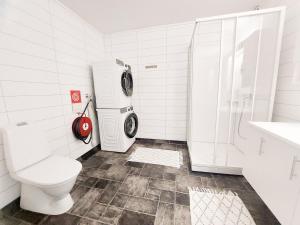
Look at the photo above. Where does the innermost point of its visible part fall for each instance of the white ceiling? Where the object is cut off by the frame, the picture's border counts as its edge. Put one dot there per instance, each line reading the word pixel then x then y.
pixel 117 15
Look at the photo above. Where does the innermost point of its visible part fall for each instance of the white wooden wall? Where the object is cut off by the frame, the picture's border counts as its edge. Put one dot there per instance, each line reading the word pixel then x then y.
pixel 45 50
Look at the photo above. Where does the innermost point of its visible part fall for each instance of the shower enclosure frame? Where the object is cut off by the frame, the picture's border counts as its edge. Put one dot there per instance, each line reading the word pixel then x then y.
pixel 236 16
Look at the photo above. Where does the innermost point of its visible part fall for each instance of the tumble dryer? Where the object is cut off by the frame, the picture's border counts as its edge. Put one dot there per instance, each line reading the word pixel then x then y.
pixel 113 83
pixel 118 128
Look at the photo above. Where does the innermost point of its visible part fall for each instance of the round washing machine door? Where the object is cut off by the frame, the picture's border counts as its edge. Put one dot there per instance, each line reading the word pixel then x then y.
pixel 127 83
pixel 131 125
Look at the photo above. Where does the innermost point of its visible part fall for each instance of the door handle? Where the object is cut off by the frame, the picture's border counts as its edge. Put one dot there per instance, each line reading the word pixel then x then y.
pixel 262 141
pixel 295 161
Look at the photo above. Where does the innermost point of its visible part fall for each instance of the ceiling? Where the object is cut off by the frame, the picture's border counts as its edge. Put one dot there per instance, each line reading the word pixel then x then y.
pixel 117 15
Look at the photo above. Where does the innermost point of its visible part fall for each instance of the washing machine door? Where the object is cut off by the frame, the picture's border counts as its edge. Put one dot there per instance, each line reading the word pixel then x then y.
pixel 131 125
pixel 127 82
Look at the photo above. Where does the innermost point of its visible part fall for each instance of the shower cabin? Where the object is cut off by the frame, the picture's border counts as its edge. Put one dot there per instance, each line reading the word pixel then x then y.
pixel 233 66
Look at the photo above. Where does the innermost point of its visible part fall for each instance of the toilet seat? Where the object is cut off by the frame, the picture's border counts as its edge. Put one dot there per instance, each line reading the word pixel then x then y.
pixel 50 172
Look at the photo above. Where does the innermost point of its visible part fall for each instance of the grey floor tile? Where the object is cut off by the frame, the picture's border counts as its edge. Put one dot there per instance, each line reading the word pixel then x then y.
pixel 105 166
pixel 119 160
pixel 154 191
pixel 200 174
pixel 169 176
pixel 116 172
pixel 168 146
pixel 183 183
pixel 153 171
pixel 109 192
pixel 135 171
pixel 65 219
pixel 85 221
pixel 24 223
pixel 11 209
pixel 93 162
pixel 167 196
pixel 230 182
pixel 247 185
pixel 96 211
pixel 160 141
pixel 134 164
pixel 79 192
pixel 250 198
pixel 144 145
pixel 165 214
pixel 104 214
pixel 162 184
pixel 111 215
pixel 98 173
pixel 101 183
pixel 131 149
pixel 153 194
pixel 90 182
pixel 31 217
pixel 105 154
pixel 7 220
pixel 84 203
pixel 182 199
pixel 261 212
pixel 141 205
pixel 119 200
pixel 133 218
pixel 265 220
pixel 151 197
pixel 134 185
pixel 208 182
pixel 182 215
pixel 178 171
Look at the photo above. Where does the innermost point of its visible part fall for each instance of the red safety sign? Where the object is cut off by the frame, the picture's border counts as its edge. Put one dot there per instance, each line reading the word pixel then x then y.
pixel 75 96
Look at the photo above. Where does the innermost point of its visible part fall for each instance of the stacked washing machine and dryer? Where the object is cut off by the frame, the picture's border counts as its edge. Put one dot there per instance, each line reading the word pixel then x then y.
pixel 118 124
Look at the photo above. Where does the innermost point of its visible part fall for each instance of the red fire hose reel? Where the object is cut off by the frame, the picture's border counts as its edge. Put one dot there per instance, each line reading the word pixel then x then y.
pixel 82 127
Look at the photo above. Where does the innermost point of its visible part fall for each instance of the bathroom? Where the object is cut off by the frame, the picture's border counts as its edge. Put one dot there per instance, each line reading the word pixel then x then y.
pixel 149 112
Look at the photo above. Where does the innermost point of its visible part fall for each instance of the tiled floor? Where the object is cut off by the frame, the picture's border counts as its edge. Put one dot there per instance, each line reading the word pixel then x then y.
pixel 111 190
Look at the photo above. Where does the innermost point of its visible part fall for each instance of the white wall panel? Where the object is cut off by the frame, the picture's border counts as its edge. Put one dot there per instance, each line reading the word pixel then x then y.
pixel 159 93
pixel 287 101
pixel 10 12
pixel 45 51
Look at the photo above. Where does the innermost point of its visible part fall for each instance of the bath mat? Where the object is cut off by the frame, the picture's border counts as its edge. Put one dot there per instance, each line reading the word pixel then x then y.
pixel 156 156
pixel 209 207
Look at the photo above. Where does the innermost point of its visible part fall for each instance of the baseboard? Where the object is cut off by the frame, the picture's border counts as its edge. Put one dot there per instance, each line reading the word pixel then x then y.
pixel 160 141
pixel 90 153
pixel 217 169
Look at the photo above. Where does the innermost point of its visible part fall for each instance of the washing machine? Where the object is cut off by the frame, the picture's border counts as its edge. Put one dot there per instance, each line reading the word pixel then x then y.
pixel 113 83
pixel 118 128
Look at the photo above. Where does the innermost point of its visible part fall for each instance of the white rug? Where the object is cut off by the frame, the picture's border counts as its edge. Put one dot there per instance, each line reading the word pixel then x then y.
pixel 156 156
pixel 209 207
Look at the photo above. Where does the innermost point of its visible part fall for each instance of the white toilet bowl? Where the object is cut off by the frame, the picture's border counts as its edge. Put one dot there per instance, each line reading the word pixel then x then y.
pixel 46 180
pixel 46 185
pixel 43 202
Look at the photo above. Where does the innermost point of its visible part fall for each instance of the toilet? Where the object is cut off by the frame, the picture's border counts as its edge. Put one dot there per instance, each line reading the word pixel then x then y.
pixel 46 179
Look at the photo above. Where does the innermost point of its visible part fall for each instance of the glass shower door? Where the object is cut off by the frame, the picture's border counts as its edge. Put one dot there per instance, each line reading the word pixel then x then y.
pixel 234 71
pixel 225 104
pixel 205 82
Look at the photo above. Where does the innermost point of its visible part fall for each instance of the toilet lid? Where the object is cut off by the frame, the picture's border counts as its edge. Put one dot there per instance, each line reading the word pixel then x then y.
pixel 51 171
